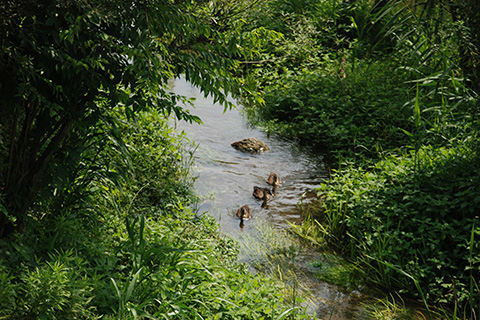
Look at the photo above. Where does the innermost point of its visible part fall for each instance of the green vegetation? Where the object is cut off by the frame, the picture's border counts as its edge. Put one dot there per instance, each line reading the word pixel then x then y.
pixel 65 65
pixel 401 224
pixel 136 251
pixel 95 186
pixel 273 252
pixel 389 89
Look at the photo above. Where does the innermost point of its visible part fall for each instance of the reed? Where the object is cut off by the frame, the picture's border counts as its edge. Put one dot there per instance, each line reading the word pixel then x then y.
pixel 273 252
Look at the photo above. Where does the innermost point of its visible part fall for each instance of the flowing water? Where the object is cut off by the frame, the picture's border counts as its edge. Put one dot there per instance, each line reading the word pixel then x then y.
pixel 226 178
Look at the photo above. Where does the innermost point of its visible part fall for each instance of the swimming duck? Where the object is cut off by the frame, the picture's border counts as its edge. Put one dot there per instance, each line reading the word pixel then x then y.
pixel 262 193
pixel 273 179
pixel 251 145
pixel 244 213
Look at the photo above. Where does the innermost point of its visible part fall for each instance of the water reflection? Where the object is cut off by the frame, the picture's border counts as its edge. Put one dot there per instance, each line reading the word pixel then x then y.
pixel 229 175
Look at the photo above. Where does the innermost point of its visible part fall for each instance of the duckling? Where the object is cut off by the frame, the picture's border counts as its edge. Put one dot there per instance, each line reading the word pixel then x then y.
pixel 273 179
pixel 262 193
pixel 244 213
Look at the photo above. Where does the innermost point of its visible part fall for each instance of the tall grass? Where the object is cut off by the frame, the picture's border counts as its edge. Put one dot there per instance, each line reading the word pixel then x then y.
pixel 143 255
pixel 408 227
pixel 274 252
pixel 393 102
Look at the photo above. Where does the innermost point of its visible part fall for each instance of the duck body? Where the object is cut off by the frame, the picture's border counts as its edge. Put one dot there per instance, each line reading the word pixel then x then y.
pixel 262 193
pixel 244 213
pixel 273 179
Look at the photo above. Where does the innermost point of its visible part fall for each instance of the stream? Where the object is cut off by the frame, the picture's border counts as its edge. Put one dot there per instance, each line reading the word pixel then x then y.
pixel 225 183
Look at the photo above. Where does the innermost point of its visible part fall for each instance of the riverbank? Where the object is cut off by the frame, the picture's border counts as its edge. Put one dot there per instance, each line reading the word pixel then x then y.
pixel 224 182
pixel 134 250
pixel 401 127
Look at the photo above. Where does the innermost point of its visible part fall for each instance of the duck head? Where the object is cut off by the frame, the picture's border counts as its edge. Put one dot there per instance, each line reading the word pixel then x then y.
pixel 273 179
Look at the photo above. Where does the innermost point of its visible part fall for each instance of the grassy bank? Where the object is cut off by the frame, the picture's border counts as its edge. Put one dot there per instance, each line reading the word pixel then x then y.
pixel 383 87
pixel 411 226
pixel 129 247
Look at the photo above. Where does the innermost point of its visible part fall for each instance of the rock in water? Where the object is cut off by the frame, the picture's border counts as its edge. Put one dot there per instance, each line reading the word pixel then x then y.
pixel 251 145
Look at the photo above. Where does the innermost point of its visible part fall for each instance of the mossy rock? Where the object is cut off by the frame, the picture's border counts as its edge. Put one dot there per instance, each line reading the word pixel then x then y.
pixel 251 145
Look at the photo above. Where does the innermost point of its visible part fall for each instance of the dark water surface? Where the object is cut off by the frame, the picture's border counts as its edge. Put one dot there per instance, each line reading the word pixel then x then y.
pixel 226 178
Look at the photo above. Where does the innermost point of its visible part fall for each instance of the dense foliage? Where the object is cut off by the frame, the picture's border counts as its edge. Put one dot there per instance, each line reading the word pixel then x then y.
pixel 65 64
pixel 136 257
pixel 94 185
pixel 421 225
pixel 356 115
pixel 389 89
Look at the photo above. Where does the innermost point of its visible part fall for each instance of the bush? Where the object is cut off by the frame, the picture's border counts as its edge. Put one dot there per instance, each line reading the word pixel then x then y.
pixel 357 114
pixel 7 292
pixel 57 289
pixel 160 176
pixel 423 223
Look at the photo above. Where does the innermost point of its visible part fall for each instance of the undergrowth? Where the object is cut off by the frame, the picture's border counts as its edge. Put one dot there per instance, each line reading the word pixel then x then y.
pixel 412 231
pixel 383 87
pixel 134 250
pixel 356 116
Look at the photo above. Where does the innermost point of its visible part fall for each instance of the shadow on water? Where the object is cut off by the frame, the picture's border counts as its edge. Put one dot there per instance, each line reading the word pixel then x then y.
pixel 226 178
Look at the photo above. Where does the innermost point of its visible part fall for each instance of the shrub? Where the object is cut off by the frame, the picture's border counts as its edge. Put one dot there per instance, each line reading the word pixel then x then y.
pixel 139 252
pixel 359 113
pixel 160 176
pixel 8 292
pixel 423 223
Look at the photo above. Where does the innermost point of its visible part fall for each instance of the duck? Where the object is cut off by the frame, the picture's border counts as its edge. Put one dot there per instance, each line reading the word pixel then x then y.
pixel 274 180
pixel 262 193
pixel 251 145
pixel 244 213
